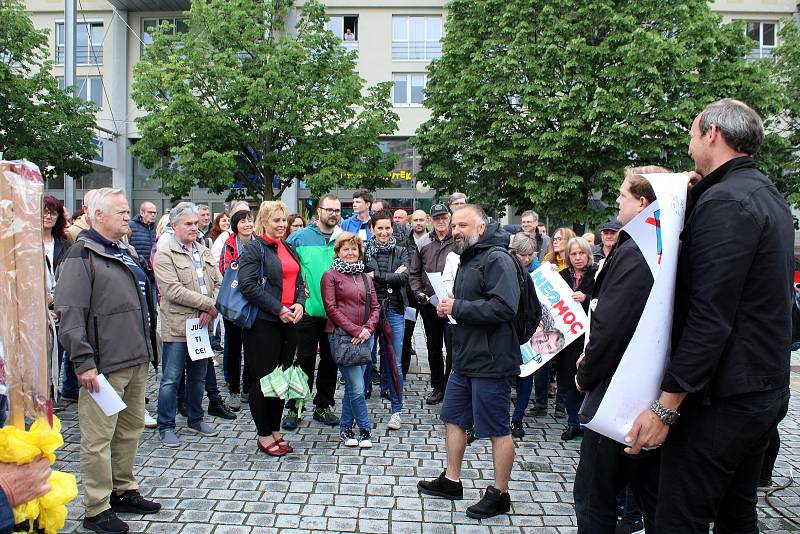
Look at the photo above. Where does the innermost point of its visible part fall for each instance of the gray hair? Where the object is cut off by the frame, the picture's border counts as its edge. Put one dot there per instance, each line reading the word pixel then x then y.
pixel 180 210
pixel 203 207
pixel 238 205
pixel 478 211
pixel 457 196
pixel 530 213
pixel 523 244
pixel 740 125
pixel 585 248
pixel 98 200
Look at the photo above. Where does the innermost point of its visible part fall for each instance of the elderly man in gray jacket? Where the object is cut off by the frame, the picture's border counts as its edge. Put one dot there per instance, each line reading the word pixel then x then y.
pixel 107 315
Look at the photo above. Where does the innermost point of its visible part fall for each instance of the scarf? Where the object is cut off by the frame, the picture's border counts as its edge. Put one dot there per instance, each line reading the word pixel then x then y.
pixel 343 267
pixel 374 246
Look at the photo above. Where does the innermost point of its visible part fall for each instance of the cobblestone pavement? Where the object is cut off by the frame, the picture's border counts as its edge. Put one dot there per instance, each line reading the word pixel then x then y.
pixel 222 485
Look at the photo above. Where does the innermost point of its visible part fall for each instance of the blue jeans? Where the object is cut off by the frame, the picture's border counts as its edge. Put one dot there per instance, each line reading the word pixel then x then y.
pixel 398 324
pixel 212 389
pixel 173 362
pixel 354 405
pixel 573 401
pixel 524 389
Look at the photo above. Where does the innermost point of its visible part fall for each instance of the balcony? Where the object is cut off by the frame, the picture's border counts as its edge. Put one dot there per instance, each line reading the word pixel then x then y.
pixel 760 52
pixel 84 54
pixel 416 50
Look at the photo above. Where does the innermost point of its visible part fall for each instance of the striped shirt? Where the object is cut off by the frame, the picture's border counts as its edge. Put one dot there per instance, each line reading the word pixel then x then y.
pixel 198 266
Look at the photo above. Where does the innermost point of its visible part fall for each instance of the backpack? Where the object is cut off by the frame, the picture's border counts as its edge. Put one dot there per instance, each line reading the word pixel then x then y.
pixel 529 311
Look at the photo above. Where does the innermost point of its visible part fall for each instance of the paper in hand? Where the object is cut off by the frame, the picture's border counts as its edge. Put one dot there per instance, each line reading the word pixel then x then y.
pixel 107 398
pixel 437 283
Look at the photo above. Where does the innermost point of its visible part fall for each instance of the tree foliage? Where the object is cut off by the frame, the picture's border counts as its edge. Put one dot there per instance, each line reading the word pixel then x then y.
pixel 787 73
pixel 38 121
pixel 245 97
pixel 543 104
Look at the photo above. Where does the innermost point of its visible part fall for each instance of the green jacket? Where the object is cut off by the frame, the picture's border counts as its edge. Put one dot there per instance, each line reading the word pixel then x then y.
pixel 316 256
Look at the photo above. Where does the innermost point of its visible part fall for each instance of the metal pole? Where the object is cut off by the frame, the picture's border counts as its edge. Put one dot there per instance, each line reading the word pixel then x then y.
pixel 70 27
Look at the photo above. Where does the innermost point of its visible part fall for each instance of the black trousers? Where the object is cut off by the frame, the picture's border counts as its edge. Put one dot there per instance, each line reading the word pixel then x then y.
pixel 266 346
pixel 710 464
pixel 238 380
pixel 434 337
pixel 603 471
pixel 310 335
pixel 408 335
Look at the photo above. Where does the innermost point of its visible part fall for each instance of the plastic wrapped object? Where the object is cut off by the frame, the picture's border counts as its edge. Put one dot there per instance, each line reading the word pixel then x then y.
pixel 23 323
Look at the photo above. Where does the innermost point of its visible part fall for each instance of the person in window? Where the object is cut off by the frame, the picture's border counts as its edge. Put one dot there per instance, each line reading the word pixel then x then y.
pixel 349 35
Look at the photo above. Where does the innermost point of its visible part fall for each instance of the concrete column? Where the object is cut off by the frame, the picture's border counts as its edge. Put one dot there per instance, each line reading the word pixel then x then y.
pixel 122 172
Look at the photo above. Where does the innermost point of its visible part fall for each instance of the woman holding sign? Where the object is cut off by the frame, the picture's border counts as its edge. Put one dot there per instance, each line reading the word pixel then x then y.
pixel 579 275
pixel 269 277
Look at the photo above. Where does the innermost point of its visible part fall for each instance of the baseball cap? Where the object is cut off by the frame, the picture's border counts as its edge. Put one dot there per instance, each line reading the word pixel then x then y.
pixel 439 209
pixel 610 225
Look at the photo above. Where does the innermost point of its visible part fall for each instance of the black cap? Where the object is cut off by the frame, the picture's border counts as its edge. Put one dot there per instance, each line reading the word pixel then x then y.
pixel 439 209
pixel 610 225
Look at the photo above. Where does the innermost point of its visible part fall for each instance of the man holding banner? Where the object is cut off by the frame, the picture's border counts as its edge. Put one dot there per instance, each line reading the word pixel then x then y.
pixel 728 372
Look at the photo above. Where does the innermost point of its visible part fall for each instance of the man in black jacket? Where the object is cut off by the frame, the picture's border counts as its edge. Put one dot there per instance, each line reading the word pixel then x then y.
pixel 620 294
pixel 729 368
pixel 486 358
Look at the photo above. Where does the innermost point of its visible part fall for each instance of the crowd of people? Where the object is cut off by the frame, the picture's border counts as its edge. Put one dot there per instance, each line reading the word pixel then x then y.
pixel 340 298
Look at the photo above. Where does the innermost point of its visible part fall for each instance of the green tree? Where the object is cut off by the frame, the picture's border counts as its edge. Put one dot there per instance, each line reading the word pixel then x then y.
pixel 38 121
pixel 544 103
pixel 244 96
pixel 787 73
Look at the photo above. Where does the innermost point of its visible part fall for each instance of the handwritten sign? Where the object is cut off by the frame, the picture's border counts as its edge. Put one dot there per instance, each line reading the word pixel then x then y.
pixel 197 340
pixel 563 320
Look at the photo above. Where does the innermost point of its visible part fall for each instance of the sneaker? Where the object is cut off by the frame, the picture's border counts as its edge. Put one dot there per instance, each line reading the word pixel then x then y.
pixel 149 422
pixel 365 440
pixel 245 397
pixel 233 402
pixel 203 428
pixel 291 421
pixel 168 438
pixel 442 487
pixel 182 408
pixel 348 438
pixel 435 397
pixel 571 432
pixel 132 502
pixel 471 437
pixel 217 347
pixel 106 522
pixel 537 411
pixel 629 526
pixel 394 422
pixel 517 429
pixel 494 503
pixel 218 409
pixel 326 416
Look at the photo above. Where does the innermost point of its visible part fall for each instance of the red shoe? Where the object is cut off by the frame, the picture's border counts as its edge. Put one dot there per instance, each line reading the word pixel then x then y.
pixel 273 449
pixel 284 445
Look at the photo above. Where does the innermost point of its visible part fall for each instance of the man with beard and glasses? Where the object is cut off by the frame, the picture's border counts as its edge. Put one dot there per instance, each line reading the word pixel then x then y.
pixel 486 358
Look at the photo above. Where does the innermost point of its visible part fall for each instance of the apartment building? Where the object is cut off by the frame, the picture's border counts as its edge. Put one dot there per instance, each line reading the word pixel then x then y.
pixel 394 39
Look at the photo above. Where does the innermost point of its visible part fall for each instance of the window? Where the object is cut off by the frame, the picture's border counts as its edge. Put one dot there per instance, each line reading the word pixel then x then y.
pixel 149 27
pixel 89 89
pixel 764 34
pixel 409 89
pixel 416 38
pixel 344 27
pixel 88 43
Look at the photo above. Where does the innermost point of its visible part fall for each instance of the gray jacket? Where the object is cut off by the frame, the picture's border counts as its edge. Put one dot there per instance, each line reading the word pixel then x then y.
pixel 104 316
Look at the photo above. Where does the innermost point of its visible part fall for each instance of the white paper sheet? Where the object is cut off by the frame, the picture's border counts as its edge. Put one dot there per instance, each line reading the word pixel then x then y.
pixel 197 340
pixel 410 314
pixel 437 283
pixel 637 380
pixel 107 398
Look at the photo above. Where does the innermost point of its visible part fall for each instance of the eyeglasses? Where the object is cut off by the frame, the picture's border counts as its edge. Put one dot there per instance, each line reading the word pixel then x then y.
pixel 559 238
pixel 331 211
pixel 48 213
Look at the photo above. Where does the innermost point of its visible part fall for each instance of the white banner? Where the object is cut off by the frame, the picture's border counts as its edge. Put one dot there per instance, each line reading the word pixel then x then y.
pixel 563 320
pixel 637 380
pixel 197 340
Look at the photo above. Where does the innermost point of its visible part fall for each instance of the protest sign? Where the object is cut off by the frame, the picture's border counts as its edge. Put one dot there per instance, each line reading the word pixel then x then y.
pixel 197 340
pixel 563 320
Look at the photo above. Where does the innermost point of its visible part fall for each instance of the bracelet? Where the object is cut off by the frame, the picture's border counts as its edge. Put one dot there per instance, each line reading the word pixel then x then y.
pixel 667 416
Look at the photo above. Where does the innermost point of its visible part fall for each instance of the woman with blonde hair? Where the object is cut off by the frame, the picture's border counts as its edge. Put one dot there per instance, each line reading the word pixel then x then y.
pixel 558 255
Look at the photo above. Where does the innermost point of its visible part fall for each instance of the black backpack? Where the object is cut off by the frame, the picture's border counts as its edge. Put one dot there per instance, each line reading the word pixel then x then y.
pixel 529 311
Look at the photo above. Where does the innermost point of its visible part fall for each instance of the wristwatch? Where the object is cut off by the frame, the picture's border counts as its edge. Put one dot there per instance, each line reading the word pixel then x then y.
pixel 667 416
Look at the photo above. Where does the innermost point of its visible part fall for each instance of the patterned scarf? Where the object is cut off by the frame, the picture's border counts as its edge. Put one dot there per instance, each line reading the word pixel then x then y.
pixel 374 246
pixel 343 267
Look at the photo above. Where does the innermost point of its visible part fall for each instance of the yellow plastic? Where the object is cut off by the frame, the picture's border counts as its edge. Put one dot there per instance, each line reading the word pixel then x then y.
pixel 21 447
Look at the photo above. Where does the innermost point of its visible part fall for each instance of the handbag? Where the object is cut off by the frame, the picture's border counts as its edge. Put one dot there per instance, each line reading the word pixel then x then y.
pixel 231 303
pixel 346 353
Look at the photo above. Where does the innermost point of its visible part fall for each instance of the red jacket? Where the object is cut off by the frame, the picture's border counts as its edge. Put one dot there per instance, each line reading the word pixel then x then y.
pixel 230 252
pixel 345 298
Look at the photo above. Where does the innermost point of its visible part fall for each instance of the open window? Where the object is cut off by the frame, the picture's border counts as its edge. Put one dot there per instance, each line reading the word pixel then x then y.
pixel 345 27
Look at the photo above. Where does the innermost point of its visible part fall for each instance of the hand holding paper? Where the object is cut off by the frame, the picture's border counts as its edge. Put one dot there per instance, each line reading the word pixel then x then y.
pixel 106 397
pixel 437 283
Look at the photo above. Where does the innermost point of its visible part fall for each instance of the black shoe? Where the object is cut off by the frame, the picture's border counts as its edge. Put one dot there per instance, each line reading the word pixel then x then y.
pixel 629 526
pixel 217 347
pixel 218 409
pixel 471 437
pixel 106 522
pixel 493 503
pixel 537 411
pixel 435 397
pixel 326 416
pixel 386 395
pixel 571 432
pixel 517 430
pixel 132 502
pixel 560 411
pixel 376 376
pixel 442 487
pixel 765 482
pixel 182 409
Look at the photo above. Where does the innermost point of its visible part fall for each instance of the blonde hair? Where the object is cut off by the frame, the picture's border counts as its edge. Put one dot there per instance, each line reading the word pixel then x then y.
pixel 346 238
pixel 585 248
pixel 265 212
pixel 162 223
pixel 566 235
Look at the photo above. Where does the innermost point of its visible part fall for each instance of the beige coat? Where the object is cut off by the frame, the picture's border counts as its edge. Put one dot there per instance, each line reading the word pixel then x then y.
pixel 181 298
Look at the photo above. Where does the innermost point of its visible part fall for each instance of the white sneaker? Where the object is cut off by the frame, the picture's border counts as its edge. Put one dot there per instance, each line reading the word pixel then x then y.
pixel 394 422
pixel 365 440
pixel 149 422
pixel 233 402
